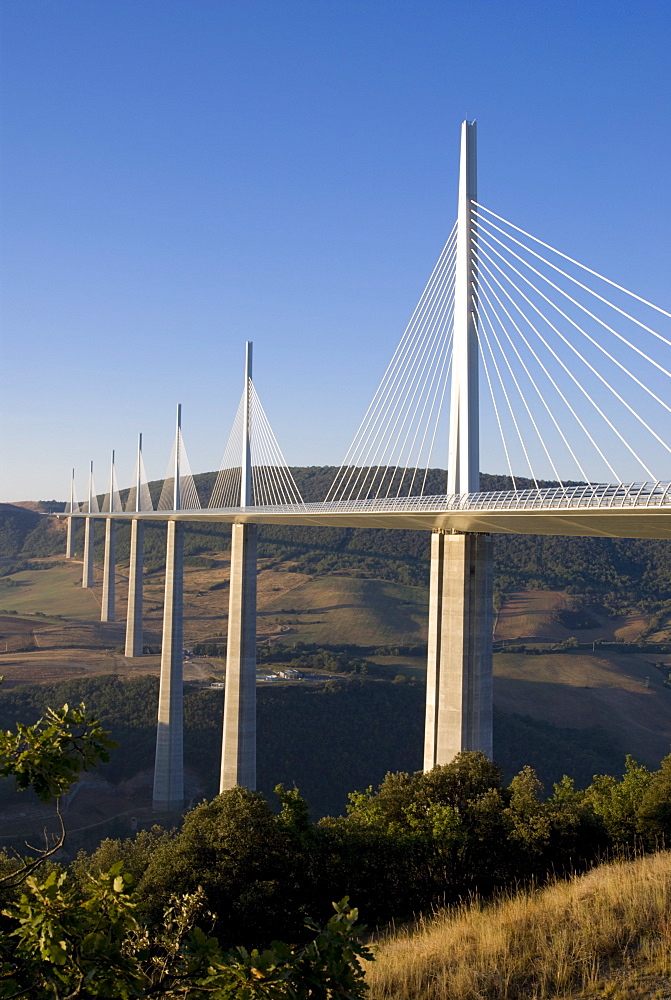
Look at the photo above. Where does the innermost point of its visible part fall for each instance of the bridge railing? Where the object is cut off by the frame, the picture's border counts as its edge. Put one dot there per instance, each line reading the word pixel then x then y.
pixel 581 497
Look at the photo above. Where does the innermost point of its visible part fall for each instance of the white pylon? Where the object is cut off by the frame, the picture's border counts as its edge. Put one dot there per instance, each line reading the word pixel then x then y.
pixel 246 497
pixel 178 436
pixel 463 475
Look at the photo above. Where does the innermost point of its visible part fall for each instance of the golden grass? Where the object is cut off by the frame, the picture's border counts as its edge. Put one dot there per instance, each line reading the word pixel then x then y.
pixel 573 936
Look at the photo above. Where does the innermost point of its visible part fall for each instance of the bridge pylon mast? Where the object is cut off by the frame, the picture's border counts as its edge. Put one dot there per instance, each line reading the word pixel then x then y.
pixel 463 474
pixel 459 662
pixel 107 605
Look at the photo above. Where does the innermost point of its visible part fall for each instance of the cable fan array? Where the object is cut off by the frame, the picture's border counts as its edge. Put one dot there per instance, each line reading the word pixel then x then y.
pixel 91 506
pixel 139 479
pixel 272 481
pixel 72 506
pixel 188 494
pixel 576 380
pixel 578 384
pixel 112 500
pixel 394 444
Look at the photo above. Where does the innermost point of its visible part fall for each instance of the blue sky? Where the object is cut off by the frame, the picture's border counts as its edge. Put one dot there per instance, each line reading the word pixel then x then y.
pixel 179 177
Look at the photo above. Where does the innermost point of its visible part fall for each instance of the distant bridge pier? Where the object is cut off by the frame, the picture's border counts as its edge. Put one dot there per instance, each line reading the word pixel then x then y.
pixel 238 750
pixel 134 623
pixel 169 762
pixel 134 618
pixel 134 615
pixel 89 538
pixel 69 538
pixel 107 607
pixel 459 664
pixel 89 541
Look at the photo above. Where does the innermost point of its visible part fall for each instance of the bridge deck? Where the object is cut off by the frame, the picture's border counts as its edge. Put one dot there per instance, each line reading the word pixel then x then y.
pixel 634 511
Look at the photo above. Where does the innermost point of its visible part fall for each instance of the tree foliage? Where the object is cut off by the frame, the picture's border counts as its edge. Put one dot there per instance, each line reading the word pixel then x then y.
pixel 86 933
pixel 49 755
pixel 68 942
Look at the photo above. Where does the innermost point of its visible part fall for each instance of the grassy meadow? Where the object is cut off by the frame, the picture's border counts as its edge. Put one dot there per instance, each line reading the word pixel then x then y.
pixel 602 934
pixel 341 609
pixel 54 591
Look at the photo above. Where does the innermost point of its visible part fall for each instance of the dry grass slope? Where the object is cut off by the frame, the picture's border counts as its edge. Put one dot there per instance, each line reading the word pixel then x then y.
pixel 599 933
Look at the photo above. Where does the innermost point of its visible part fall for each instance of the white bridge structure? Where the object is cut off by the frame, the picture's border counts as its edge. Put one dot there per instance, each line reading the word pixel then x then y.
pixel 576 379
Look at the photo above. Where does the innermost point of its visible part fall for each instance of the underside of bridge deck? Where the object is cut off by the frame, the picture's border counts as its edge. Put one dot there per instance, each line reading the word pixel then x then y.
pixel 606 522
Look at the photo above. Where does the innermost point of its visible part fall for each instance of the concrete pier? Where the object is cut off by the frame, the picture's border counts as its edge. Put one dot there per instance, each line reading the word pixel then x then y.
pixel 69 540
pixel 134 626
pixel 169 765
pixel 107 607
pixel 238 753
pixel 89 540
pixel 459 666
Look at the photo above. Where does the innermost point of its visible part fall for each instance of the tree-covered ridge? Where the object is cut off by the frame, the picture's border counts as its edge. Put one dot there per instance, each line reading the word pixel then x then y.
pixel 125 919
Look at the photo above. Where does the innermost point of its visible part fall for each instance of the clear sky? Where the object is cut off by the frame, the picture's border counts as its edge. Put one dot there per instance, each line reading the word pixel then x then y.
pixel 180 176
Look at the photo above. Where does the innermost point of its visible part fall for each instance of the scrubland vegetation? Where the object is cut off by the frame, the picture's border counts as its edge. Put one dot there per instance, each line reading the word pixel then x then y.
pixel 127 919
pixel 417 841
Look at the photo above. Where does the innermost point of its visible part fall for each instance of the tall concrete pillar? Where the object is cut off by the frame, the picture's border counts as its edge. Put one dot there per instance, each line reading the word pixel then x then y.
pixel 89 540
pixel 238 752
pixel 134 633
pixel 69 540
pixel 107 607
pixel 89 536
pixel 459 667
pixel 169 764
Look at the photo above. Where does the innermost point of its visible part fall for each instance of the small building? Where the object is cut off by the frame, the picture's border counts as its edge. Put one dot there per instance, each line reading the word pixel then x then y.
pixel 289 674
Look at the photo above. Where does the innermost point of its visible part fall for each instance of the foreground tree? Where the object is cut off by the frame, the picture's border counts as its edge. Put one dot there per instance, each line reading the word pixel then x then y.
pixel 48 757
pixel 67 937
pixel 68 944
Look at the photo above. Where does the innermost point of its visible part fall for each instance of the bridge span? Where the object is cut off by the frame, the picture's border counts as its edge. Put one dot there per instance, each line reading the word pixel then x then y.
pixel 576 380
pixel 639 510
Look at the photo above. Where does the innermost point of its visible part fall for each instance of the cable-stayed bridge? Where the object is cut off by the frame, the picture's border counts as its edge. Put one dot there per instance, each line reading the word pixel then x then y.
pixel 568 371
